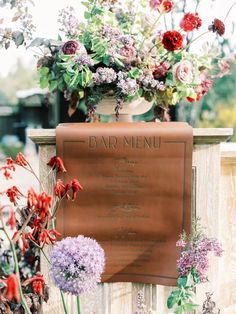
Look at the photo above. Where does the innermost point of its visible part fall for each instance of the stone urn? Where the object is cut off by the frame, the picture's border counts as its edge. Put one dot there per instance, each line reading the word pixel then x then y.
pixel 136 107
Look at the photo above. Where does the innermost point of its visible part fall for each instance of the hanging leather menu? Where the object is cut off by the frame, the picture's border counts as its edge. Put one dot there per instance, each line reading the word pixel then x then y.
pixel 137 194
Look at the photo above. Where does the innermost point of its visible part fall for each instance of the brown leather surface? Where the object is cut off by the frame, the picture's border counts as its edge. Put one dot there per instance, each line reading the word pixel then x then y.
pixel 137 194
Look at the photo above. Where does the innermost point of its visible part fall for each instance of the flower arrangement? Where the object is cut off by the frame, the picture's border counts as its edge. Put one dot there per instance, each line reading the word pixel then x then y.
pixel 76 263
pixel 192 267
pixel 122 51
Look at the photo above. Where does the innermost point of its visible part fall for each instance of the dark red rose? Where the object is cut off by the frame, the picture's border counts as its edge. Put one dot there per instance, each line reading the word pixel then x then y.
pixel 172 40
pixel 190 21
pixel 70 47
pixel 217 26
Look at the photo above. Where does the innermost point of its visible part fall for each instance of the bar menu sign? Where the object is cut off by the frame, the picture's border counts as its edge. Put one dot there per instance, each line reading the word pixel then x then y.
pixel 137 194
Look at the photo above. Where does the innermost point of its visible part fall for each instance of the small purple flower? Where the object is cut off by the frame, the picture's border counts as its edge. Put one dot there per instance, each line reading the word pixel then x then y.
pixel 181 243
pixel 111 33
pixel 104 76
pixel 195 255
pixel 127 85
pixel 69 22
pixel 84 59
pixel 70 47
pixel 77 264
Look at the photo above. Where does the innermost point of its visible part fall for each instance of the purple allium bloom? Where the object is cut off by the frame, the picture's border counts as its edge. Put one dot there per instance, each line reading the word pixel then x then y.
pixel 195 256
pixel 77 264
pixel 104 76
pixel 127 85
pixel 69 23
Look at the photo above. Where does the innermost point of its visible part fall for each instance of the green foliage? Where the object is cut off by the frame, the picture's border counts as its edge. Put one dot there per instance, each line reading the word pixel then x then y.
pixel 12 150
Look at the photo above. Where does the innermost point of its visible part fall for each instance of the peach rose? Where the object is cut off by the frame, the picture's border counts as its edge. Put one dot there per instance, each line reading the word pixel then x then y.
pixel 183 72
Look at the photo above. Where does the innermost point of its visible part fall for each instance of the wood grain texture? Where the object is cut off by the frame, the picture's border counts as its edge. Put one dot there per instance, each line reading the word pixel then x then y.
pixel 214 202
pixel 227 230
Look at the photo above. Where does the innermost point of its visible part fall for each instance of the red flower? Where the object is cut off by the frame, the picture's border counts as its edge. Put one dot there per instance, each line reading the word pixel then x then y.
pixel 166 6
pixel 32 199
pixel 190 21
pixel 12 220
pixel 41 202
pixel 218 27
pixel 7 168
pixel 60 188
pixel 44 203
pixel 190 99
pixel 70 47
pixel 37 282
pixel 21 160
pixel 12 289
pixel 24 242
pixel 48 236
pixel 7 174
pixel 160 70
pixel 161 5
pixel 76 186
pixel 172 40
pixel 14 194
pixel 56 163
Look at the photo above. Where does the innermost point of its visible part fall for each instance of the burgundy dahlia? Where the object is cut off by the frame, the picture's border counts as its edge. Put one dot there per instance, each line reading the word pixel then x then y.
pixel 172 40
pixel 218 27
pixel 70 47
pixel 190 21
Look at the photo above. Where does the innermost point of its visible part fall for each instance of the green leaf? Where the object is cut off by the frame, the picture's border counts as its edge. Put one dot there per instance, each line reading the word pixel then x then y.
pixel 190 306
pixel 81 94
pixel 43 82
pixel 52 85
pixel 87 15
pixel 43 70
pixel 170 76
pixel 67 78
pixel 182 281
pixel 134 73
pixel 178 56
pixel 6 269
pixel 171 301
pixel 18 38
pixel 64 58
pixel 106 59
pixel 118 62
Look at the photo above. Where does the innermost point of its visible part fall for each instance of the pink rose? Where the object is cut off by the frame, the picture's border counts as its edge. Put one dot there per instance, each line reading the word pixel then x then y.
pixel 183 72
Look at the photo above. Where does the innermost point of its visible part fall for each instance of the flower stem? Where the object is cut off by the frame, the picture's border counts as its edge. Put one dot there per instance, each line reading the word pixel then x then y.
pixel 78 304
pixel 12 246
pixel 150 31
pixel 64 303
pixel 192 41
